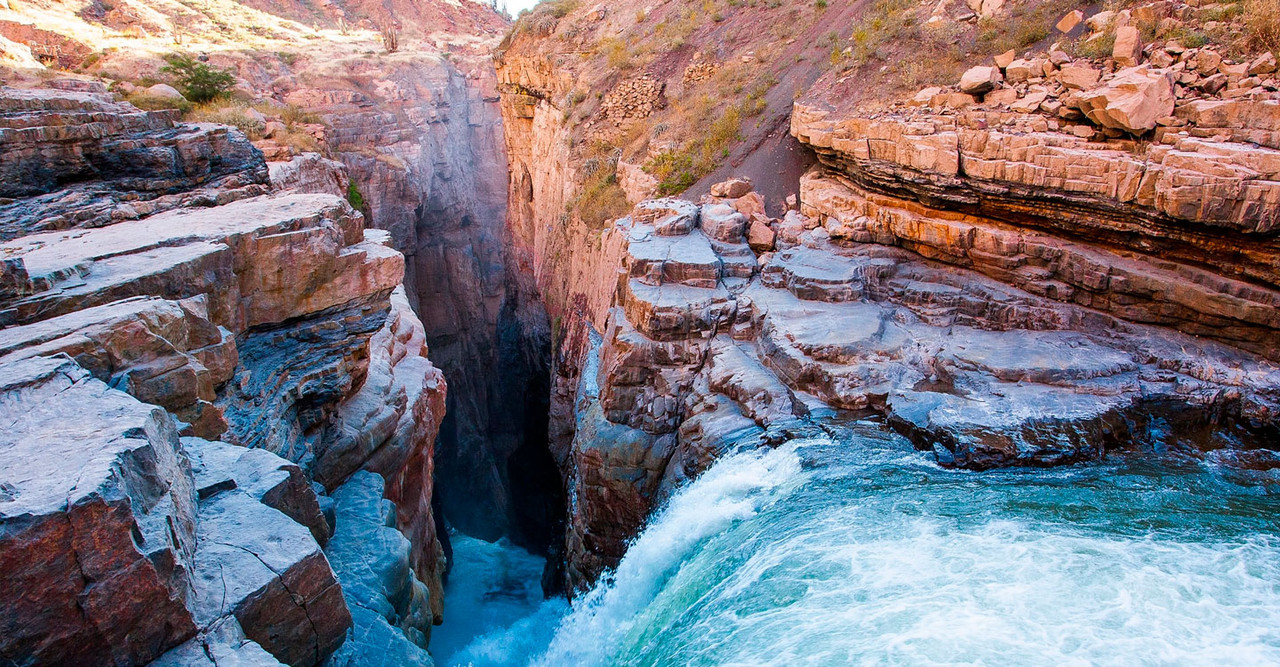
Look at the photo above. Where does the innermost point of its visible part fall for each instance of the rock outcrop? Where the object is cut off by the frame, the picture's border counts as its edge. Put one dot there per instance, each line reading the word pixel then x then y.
pixel 194 364
pixel 421 137
pixel 994 286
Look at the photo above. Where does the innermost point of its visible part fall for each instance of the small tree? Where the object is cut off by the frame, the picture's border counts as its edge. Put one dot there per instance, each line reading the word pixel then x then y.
pixel 198 81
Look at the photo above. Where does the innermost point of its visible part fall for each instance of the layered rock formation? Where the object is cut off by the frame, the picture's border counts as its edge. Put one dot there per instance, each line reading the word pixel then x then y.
pixel 195 354
pixel 984 280
pixel 421 137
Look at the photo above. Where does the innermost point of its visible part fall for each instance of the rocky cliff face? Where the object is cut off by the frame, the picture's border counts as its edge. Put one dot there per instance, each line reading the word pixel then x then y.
pixel 421 136
pixel 981 276
pixel 203 359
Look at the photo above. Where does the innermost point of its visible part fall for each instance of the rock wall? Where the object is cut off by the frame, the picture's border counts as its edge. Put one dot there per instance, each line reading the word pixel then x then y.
pixel 184 355
pixel 1000 293
pixel 421 137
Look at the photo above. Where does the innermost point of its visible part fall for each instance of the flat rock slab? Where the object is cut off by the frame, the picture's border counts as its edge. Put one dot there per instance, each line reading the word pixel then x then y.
pixel 259 565
pixel 666 311
pixel 265 259
pixel 816 275
pixel 97 521
pixel 687 259
pixel 271 480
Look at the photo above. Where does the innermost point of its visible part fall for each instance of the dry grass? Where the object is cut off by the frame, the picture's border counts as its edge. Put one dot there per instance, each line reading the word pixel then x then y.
pixel 1262 24
pixel 600 198
pixel 152 103
pixel 235 115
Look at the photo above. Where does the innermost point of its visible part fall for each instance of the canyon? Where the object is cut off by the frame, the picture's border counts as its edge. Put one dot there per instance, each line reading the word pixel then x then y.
pixel 260 361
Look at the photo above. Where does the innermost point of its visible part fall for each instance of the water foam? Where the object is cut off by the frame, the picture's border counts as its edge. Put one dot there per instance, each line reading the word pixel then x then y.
pixel 865 552
pixel 734 489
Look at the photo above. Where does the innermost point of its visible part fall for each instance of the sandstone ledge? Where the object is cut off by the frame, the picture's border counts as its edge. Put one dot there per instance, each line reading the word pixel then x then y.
pixel 1093 224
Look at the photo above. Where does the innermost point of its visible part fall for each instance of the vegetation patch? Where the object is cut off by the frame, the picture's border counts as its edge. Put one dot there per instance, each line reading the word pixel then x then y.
pixel 199 82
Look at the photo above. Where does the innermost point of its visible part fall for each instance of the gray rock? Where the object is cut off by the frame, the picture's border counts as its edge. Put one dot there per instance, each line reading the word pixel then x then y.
pixel 97 521
pixel 389 605
pixel 257 564
pixel 222 645
pixel 269 479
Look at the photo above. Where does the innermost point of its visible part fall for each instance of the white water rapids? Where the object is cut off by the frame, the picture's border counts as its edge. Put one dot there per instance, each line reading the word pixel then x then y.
pixel 864 552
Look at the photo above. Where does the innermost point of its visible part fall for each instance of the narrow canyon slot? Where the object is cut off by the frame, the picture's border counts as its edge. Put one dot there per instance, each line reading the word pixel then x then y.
pixel 642 332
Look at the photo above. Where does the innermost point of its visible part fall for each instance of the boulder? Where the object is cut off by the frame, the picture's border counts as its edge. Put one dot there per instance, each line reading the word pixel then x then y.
pixel 1101 21
pixel 1004 59
pixel 1131 102
pixel 1019 70
pixel 1207 61
pixel 761 237
pixel 1069 21
pixel 1127 51
pixel 1210 85
pixel 165 91
pixel 722 223
pixel 669 217
pixel 1001 96
pixel 1029 103
pixel 980 80
pixel 1079 76
pixel 732 188
pixel 1263 64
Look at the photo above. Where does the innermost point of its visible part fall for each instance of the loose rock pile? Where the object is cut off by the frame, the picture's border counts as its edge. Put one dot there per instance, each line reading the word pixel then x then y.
pixel 1131 93
pixel 632 100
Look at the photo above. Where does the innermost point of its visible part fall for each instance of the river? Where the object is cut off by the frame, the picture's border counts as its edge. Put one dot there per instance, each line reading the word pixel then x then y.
pixel 858 549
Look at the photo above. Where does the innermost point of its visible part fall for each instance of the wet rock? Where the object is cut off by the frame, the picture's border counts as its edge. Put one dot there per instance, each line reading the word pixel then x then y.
pixel 390 606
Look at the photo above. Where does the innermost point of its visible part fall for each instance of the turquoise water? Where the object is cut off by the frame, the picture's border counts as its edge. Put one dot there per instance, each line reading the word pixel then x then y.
pixel 862 551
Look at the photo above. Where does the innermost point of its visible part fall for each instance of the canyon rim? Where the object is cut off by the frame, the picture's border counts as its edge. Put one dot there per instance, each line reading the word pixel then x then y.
pixel 640 332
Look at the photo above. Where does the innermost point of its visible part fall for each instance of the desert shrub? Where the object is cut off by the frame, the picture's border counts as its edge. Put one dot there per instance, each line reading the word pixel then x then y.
pixel 1096 48
pixel 601 199
pixel 354 197
pixel 226 114
pixel 545 16
pixel 153 103
pixel 676 170
pixel 293 114
pixel 199 82
pixel 1262 24
pixel 1192 39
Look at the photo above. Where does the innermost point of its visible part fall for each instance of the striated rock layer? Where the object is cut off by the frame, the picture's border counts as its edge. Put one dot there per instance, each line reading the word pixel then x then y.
pixel 194 366
pixel 999 293
pixel 421 136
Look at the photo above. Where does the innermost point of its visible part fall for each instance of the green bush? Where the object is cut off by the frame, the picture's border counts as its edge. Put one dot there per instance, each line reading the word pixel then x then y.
pixel 354 197
pixel 199 82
